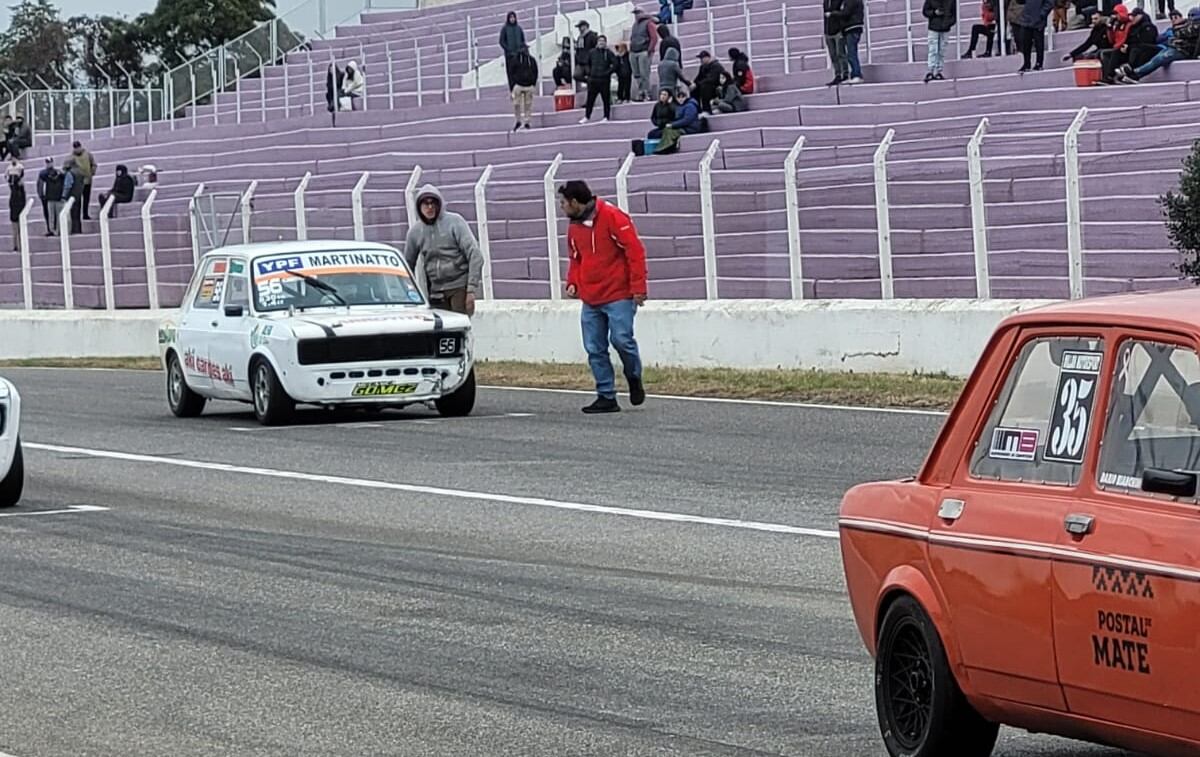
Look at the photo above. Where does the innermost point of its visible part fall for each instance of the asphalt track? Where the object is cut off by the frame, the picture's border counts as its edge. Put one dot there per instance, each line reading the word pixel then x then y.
pixel 522 583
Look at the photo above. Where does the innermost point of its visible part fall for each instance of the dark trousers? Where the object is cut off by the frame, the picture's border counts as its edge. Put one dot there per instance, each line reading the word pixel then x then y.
pixel 46 214
pixel 603 89
pixel 1031 40
pixel 1162 11
pixel 87 199
pixel 1142 54
pixel 624 87
pixel 979 30
pixel 77 216
pixel 508 59
pixel 454 300
pixel 1110 61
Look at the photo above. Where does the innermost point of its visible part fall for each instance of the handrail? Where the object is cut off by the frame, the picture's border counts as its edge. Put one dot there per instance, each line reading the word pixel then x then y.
pixel 481 226
pixel 793 218
pixel 708 223
pixel 983 288
pixel 1074 213
pixel 64 243
pixel 106 250
pixel 552 227
pixel 883 216
pixel 148 243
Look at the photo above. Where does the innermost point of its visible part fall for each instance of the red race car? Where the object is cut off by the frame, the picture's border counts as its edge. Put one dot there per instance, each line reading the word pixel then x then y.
pixel 1043 569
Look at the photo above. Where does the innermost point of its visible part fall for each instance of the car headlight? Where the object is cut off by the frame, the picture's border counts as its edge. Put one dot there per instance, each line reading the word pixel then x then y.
pixel 4 390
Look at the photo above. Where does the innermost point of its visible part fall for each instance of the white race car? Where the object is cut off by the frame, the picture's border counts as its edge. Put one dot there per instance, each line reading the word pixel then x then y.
pixel 12 464
pixel 320 323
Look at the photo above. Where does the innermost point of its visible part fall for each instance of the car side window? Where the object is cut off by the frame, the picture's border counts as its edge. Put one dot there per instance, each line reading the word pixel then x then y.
pixel 237 288
pixel 212 284
pixel 1039 427
pixel 1153 415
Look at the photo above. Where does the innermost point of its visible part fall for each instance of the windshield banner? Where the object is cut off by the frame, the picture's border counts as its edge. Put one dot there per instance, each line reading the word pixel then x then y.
pixel 325 263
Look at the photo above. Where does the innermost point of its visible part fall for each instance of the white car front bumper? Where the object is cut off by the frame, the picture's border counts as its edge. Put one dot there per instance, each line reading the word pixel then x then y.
pixel 376 383
pixel 10 424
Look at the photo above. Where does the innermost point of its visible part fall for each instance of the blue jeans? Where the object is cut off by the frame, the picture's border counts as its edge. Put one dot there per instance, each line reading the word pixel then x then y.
pixel 851 42
pixel 937 51
pixel 610 323
pixel 1164 58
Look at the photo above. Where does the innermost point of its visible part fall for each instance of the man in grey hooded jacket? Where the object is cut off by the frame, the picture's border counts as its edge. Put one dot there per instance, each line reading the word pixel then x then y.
pixel 453 262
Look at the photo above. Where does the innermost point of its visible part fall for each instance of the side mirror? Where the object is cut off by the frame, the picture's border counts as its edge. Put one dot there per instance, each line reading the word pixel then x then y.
pixel 1174 483
pixel 235 311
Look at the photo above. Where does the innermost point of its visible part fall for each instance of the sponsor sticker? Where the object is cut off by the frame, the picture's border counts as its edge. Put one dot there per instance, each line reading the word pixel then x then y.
pixel 167 335
pixel 1014 444
pixel 1121 480
pixel 1071 418
pixel 259 334
pixel 381 389
pixel 316 263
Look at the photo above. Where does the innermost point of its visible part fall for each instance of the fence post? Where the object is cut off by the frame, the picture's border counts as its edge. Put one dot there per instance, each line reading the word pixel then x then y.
pixel 983 286
pixel 867 28
pixel 1074 214
pixel 420 84
pixel 749 37
pixel 301 214
pixel 64 243
pixel 537 48
pixel 287 89
pixel 623 183
pixel 237 90
pixel 787 53
pixel 106 251
pixel 410 196
pixel 793 218
pixel 481 226
pixel 247 204
pixel 712 34
pixel 192 221
pixel 908 28
pixel 312 86
pixel 552 227
pixel 445 71
pixel 391 78
pixel 883 216
pixel 708 222
pixel 356 207
pixel 193 106
pixel 148 243
pixel 26 258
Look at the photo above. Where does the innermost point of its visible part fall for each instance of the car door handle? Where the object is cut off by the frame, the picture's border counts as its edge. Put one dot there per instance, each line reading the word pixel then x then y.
pixel 215 324
pixel 1079 525
pixel 951 509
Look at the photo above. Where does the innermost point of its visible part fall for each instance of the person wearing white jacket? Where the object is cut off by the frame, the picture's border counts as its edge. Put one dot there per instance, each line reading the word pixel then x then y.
pixel 354 85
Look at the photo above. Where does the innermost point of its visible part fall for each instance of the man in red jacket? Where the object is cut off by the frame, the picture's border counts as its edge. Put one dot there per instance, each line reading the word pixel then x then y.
pixel 608 274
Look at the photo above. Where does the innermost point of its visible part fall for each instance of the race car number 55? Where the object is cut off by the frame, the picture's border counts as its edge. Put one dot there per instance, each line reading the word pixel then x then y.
pixel 382 389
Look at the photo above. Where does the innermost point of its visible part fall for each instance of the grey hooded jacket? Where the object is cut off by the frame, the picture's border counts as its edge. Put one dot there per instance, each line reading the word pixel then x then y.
pixel 452 256
pixel 670 73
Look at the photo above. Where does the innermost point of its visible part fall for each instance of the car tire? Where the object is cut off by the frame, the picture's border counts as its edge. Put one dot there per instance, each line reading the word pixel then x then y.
pixel 184 403
pixel 272 404
pixel 922 711
pixel 14 481
pixel 461 401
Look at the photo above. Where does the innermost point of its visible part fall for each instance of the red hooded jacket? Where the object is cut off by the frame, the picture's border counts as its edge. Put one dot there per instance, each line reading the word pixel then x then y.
pixel 608 261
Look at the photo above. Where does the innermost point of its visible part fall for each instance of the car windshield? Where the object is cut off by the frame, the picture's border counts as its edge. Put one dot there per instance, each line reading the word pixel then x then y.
pixel 329 279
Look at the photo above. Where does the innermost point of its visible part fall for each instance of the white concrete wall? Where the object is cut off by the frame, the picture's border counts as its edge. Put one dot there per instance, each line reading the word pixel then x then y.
pixel 840 335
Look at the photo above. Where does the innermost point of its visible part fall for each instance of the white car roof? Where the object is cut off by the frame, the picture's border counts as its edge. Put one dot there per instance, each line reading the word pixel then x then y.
pixel 291 248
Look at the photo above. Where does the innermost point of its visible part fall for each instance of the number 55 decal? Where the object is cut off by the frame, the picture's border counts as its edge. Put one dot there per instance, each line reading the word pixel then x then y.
pixel 1073 404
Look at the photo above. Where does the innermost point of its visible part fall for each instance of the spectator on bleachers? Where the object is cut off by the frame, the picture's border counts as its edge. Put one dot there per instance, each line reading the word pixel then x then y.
pixel 16 197
pixel 562 67
pixel 671 11
pixel 731 99
pixel 667 41
pixel 987 28
pixel 122 190
pixel 686 121
pixel 50 194
pixel 1031 33
pixel 1098 38
pixel 942 17
pixel 333 90
pixel 87 165
pixel 663 113
pixel 584 45
pixel 835 43
pixel 1184 45
pixel 73 189
pixel 742 74
pixel 1116 54
pixel 708 80
pixel 601 66
pixel 624 73
pixel 1164 39
pixel 22 137
pixel 6 134
pixel 1059 15
pixel 1141 44
pixel 850 16
pixel 523 73
pixel 1082 19
pixel 512 41
pixel 354 85
pixel 670 72
pixel 643 39
pixel 1164 6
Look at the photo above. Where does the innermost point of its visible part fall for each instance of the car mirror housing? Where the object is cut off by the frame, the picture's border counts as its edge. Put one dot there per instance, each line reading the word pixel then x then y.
pixel 1174 483
pixel 235 311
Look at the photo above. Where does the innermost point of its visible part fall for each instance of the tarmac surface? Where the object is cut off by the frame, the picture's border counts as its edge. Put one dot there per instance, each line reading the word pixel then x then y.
pixel 525 581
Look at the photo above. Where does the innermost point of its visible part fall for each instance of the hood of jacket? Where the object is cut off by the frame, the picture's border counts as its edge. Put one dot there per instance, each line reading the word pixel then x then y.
pixel 672 55
pixel 430 190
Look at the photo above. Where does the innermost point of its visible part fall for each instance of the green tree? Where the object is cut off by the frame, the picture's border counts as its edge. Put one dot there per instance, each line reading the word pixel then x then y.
pixel 36 43
pixel 99 43
pixel 188 27
pixel 1182 211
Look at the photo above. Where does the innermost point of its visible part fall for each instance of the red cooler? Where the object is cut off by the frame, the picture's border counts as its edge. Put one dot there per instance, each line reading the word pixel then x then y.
pixel 1087 72
pixel 564 99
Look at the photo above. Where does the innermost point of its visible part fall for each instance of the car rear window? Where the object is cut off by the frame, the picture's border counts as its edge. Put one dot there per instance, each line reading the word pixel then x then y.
pixel 1153 414
pixel 1039 427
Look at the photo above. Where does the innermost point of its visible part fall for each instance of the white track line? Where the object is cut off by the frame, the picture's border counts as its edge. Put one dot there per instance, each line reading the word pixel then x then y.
pixel 71 509
pixel 364 483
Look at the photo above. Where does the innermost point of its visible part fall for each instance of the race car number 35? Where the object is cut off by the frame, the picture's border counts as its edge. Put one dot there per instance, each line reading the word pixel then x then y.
pixel 382 389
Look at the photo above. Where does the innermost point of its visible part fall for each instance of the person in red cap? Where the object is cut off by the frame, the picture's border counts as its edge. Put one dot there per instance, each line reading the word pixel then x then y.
pixel 607 272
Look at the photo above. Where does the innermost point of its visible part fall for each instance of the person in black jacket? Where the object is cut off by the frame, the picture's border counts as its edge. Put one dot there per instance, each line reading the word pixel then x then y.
pixel 584 45
pixel 333 90
pixel 943 17
pixel 667 42
pixel 512 39
pixel 835 42
pixel 1030 32
pixel 1183 45
pixel 122 190
pixel 707 83
pixel 1097 39
pixel 664 111
pixel 601 66
pixel 562 67
pixel 624 74
pixel 851 16
pixel 50 193
pixel 1141 44
pixel 523 73
pixel 741 70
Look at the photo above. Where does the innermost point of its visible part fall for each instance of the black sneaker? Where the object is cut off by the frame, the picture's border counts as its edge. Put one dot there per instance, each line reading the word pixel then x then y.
pixel 527 126
pixel 518 126
pixel 968 55
pixel 836 81
pixel 637 392
pixel 938 76
pixel 603 405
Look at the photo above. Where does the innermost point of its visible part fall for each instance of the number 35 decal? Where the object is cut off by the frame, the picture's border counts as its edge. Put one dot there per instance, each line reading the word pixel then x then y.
pixel 1073 405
